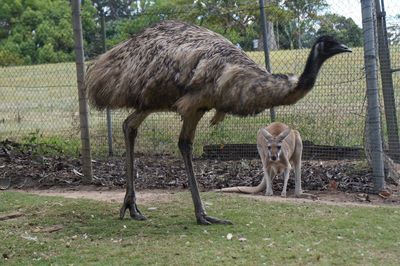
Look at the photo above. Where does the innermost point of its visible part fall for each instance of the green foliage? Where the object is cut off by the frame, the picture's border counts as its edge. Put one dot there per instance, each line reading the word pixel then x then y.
pixel 46 54
pixel 220 134
pixel 8 58
pixel 39 144
pixel 300 19
pixel 38 31
pixel 344 29
pixel 160 141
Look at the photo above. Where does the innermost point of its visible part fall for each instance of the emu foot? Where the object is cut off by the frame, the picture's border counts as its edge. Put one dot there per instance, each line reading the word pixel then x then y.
pixel 204 219
pixel 133 209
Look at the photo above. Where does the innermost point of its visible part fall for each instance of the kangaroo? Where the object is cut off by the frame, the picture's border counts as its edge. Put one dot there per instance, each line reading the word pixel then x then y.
pixel 279 147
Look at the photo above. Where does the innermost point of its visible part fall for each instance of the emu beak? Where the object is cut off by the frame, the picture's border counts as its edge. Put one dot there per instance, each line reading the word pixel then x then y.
pixel 343 49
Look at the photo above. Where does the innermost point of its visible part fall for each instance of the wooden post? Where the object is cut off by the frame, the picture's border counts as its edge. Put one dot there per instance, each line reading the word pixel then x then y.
pixel 83 104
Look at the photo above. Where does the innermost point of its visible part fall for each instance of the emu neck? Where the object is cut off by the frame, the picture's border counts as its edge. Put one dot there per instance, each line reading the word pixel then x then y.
pixel 310 73
pixel 307 79
pixel 305 82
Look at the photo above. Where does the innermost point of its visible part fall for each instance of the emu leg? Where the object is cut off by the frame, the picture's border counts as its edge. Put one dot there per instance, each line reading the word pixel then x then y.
pixel 185 146
pixel 130 128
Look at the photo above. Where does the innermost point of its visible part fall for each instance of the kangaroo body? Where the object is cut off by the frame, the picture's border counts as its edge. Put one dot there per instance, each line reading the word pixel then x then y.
pixel 280 149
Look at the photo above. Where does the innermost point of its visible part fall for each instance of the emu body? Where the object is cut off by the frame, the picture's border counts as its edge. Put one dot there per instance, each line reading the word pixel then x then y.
pixel 175 66
pixel 179 67
pixel 280 149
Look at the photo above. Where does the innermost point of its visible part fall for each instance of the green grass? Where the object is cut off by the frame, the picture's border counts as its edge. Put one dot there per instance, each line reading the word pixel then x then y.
pixel 275 233
pixel 52 145
pixel 44 98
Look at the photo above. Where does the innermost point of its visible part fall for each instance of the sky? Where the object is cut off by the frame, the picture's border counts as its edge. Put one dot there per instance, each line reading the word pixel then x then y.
pixel 352 8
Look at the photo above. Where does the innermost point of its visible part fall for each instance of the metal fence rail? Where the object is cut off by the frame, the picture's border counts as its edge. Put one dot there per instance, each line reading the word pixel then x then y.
pixel 42 100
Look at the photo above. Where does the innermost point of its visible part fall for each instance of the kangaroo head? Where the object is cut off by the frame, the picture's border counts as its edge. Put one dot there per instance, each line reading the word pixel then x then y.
pixel 274 143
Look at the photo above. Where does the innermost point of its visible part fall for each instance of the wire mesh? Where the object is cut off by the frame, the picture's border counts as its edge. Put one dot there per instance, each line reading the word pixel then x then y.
pixel 42 99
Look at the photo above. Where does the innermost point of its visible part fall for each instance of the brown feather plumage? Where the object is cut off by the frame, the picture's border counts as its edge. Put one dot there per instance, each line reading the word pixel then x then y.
pixel 181 67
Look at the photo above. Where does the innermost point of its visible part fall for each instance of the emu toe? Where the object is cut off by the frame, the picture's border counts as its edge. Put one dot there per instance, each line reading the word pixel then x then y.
pixel 134 212
pixel 204 219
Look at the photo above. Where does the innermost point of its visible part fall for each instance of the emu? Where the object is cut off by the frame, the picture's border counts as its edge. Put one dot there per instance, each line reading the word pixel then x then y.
pixel 176 66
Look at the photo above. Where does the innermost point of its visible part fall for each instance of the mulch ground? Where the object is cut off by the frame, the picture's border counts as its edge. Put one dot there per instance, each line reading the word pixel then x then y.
pixel 21 167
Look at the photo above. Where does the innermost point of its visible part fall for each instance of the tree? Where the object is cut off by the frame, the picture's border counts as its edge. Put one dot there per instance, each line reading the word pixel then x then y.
pixel 235 19
pixel 344 29
pixel 394 30
pixel 115 9
pixel 38 31
pixel 303 14
pixel 143 13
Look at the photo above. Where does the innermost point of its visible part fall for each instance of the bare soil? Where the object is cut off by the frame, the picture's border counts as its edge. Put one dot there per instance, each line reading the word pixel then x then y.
pixel 156 196
pixel 114 195
pixel 159 176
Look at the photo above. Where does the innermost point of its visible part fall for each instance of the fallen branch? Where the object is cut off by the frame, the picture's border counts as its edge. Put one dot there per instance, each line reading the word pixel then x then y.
pixel 49 229
pixel 10 216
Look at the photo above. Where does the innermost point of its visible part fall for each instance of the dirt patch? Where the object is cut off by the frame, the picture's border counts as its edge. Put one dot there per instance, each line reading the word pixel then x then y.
pixel 335 198
pixel 22 168
pixel 115 195
pixel 164 196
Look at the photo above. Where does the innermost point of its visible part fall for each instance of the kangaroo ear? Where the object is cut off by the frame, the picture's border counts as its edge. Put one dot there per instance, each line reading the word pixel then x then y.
pixel 283 135
pixel 266 134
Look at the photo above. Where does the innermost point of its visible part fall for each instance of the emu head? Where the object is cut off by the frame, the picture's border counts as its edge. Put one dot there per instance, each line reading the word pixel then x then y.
pixel 274 143
pixel 326 47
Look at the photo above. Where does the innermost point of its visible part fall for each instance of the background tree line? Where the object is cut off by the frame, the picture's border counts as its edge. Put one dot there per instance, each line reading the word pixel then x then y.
pixel 40 31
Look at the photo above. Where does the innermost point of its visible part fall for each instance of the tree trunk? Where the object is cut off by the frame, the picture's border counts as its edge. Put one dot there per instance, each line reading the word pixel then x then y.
pixel 277 35
pixel 272 45
pixel 299 44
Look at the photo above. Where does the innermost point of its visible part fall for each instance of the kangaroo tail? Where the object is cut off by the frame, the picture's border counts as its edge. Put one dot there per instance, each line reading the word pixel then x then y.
pixel 246 190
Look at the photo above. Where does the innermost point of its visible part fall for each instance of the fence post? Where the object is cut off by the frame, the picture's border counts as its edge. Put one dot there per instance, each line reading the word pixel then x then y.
pixel 387 83
pixel 83 105
pixel 266 49
pixel 108 111
pixel 373 115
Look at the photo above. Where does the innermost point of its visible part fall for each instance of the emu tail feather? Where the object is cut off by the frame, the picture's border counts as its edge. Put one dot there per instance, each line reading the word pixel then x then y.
pixel 103 83
pixel 246 190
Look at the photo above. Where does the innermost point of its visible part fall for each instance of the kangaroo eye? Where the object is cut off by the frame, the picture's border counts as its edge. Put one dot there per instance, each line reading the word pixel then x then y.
pixel 279 147
pixel 269 147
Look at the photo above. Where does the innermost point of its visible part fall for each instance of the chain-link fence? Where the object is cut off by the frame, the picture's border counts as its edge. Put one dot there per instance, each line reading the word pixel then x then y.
pixel 41 100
